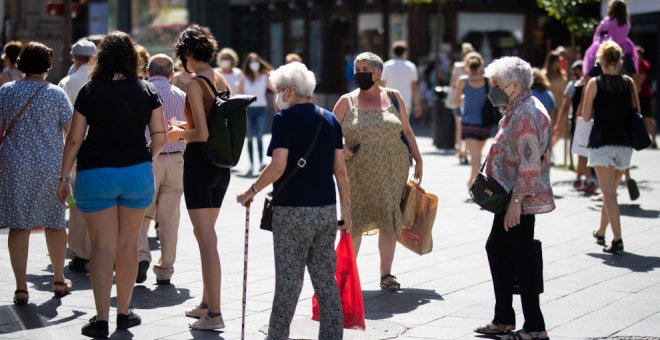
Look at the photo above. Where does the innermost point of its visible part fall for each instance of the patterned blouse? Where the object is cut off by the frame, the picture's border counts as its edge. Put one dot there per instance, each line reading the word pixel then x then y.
pixel 516 159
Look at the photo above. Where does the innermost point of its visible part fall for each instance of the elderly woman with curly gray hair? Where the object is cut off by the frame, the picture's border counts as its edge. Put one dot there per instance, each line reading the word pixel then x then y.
pixel 517 161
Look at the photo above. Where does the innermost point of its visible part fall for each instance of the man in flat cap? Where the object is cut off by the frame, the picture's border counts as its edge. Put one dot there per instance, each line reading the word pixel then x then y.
pixel 82 53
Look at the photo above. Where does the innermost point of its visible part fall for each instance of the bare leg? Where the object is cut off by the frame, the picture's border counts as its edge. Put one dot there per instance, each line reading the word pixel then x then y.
pixel 130 224
pixel 457 135
pixel 18 243
pixel 386 248
pixel 609 178
pixel 102 228
pixel 56 242
pixel 357 241
pixel 203 221
pixel 651 128
pixel 474 148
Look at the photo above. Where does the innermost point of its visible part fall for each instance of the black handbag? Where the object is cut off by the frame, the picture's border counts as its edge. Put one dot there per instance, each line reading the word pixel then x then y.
pixel 639 136
pixel 537 253
pixel 267 213
pixel 490 114
pixel 488 193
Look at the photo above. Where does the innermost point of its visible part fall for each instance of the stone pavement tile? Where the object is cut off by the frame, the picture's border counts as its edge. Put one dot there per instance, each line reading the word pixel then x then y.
pixel 650 325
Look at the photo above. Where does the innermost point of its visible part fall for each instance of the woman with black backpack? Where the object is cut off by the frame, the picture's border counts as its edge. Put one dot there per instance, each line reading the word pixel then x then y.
pixel 204 184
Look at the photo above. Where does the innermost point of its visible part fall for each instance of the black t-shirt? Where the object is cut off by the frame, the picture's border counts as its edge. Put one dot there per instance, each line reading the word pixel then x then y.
pixel 117 113
pixel 294 129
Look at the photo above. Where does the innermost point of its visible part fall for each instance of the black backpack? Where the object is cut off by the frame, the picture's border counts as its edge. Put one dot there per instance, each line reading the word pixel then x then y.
pixel 227 124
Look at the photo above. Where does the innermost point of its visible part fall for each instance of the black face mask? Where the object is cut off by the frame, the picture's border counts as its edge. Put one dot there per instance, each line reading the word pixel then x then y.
pixel 363 80
pixel 498 97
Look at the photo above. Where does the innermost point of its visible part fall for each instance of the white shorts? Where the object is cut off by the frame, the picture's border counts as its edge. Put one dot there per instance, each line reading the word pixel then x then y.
pixel 616 156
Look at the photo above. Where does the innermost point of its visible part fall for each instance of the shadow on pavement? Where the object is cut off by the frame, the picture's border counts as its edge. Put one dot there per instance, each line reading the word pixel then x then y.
pixel 18 318
pixel 161 296
pixel 121 335
pixel 380 304
pixel 44 283
pixel 635 210
pixel 206 334
pixel 634 262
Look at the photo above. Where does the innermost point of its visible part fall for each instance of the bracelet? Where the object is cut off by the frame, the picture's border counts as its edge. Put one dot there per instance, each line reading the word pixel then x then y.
pixel 156 132
pixel 63 179
pixel 254 189
pixel 346 205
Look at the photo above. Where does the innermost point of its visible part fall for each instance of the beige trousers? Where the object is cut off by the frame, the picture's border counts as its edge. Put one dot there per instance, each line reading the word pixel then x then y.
pixel 165 209
pixel 79 245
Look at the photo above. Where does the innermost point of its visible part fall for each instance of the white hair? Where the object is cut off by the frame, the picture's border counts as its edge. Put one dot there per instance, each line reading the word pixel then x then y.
pixel 509 69
pixel 294 75
pixel 373 59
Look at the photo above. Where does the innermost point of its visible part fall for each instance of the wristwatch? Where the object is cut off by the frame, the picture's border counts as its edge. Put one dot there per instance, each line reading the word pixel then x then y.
pixel 516 200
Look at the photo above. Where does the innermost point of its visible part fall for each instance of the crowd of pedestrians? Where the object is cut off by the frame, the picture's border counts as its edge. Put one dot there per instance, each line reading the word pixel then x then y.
pixel 135 130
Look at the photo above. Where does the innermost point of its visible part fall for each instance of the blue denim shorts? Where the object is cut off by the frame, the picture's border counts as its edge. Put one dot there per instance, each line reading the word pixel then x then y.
pixel 102 188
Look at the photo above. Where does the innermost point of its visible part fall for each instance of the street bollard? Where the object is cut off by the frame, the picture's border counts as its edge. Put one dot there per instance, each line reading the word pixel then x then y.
pixel 443 121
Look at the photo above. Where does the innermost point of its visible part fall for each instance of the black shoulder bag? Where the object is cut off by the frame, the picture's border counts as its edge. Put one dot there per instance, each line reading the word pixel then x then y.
pixel 267 214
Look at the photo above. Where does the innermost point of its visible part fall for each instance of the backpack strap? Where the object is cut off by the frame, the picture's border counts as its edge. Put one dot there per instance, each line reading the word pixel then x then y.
pixel 224 93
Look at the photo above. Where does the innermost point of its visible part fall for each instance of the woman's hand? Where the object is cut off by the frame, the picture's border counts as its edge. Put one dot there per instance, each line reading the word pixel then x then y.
pixel 418 172
pixel 512 217
pixel 178 123
pixel 348 221
pixel 174 134
pixel 245 198
pixel 63 190
pixel 348 154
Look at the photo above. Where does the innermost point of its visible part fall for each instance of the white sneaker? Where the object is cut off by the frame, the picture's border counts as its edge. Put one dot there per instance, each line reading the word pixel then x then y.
pixel 196 312
pixel 206 323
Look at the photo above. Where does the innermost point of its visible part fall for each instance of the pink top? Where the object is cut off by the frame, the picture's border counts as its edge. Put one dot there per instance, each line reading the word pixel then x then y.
pixel 609 28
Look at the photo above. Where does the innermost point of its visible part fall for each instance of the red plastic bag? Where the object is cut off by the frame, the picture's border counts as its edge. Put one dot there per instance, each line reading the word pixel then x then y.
pixel 348 281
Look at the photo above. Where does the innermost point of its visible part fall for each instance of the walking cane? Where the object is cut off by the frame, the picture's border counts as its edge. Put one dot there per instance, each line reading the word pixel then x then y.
pixel 245 266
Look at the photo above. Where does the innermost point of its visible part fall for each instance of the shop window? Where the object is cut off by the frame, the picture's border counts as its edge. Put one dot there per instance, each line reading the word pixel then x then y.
pixel 370 32
pixel 297 34
pixel 398 29
pixel 315 47
pixel 276 44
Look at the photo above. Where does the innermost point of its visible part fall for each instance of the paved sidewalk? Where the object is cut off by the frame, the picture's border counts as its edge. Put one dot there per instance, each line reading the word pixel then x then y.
pixel 588 294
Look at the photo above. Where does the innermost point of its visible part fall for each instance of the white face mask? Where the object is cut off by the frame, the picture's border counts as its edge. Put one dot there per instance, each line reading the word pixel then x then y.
pixel 254 66
pixel 224 63
pixel 279 100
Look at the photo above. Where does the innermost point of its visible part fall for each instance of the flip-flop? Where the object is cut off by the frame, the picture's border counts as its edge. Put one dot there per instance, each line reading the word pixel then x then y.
pixel 391 284
pixel 488 330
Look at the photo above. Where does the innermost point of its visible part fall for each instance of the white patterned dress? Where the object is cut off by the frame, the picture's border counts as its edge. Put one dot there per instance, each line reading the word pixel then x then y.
pixel 31 155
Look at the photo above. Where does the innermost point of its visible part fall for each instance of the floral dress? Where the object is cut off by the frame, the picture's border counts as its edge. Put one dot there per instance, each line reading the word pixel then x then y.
pixel 31 155
pixel 379 169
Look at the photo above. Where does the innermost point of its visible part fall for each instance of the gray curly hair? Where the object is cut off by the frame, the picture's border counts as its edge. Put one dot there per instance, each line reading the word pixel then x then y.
pixel 373 59
pixel 509 69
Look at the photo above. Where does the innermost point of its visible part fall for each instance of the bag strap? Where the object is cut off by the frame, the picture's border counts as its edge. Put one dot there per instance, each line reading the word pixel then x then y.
pixel 633 98
pixel 350 108
pixel 224 93
pixel 393 99
pixel 18 116
pixel 303 160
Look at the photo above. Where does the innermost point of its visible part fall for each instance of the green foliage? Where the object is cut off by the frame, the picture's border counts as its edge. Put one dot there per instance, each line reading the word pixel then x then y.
pixel 567 12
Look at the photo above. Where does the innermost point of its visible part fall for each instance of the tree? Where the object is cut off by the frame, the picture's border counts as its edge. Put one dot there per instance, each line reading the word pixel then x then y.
pixel 568 13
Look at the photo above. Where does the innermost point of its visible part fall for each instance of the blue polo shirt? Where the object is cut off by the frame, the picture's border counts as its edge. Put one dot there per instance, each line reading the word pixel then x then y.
pixel 294 129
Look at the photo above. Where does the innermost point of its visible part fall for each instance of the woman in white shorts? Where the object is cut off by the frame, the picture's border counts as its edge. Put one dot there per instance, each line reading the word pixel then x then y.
pixel 608 100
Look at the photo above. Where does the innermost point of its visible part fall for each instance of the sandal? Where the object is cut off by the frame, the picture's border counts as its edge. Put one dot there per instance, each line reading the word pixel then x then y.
pixel 616 246
pixel 494 329
pixel 388 282
pixel 600 240
pixel 21 301
pixel 524 335
pixel 62 288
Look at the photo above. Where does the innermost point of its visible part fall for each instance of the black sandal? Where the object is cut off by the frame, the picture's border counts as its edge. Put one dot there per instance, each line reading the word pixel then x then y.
pixel 600 240
pixel 518 335
pixel 616 246
pixel 489 330
pixel 391 284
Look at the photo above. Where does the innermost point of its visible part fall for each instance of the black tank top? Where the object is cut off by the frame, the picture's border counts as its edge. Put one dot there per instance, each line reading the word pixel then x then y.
pixel 612 112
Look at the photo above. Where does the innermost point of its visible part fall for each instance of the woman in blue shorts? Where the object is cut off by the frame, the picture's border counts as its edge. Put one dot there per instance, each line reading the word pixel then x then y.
pixel 115 183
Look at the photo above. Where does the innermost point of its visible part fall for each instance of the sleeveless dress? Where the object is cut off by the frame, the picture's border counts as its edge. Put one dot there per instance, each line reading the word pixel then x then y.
pixel 379 169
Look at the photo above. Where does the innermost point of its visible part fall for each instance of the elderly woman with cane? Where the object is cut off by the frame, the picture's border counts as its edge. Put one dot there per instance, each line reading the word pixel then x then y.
pixel 518 163
pixel 304 218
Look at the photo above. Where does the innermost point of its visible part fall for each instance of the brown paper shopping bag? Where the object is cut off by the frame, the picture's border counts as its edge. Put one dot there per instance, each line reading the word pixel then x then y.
pixel 418 209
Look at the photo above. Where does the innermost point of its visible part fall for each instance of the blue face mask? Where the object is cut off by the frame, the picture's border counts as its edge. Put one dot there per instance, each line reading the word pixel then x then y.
pixel 498 97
